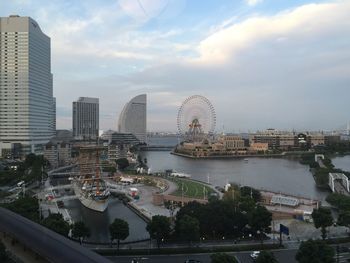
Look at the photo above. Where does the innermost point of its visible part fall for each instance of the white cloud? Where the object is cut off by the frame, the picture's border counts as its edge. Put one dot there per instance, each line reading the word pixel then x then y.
pixel 304 22
pixel 253 2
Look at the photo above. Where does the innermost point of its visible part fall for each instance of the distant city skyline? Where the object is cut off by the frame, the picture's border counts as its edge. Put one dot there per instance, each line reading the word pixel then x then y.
pixel 262 63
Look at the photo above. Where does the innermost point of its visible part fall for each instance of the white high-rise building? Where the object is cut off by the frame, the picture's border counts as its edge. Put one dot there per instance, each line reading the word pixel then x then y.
pixel 86 118
pixel 27 114
pixel 133 118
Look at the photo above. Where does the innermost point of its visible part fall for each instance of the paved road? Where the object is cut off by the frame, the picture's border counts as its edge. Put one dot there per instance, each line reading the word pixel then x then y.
pixel 282 255
pixel 285 256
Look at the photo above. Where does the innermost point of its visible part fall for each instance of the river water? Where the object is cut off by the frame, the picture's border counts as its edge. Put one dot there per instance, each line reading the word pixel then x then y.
pixel 98 223
pixel 342 162
pixel 274 174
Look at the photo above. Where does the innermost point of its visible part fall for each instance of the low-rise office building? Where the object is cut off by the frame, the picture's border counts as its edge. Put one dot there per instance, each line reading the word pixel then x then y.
pixel 119 144
pixel 257 147
pixel 58 153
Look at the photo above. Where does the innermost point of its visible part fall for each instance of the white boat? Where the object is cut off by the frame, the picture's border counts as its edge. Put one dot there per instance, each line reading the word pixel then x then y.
pixel 93 194
pixel 181 175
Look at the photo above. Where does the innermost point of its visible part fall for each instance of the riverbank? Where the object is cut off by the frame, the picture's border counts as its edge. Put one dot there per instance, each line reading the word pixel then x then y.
pixel 271 155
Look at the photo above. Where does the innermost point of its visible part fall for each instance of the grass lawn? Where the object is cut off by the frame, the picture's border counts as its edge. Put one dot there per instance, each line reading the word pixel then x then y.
pixel 191 189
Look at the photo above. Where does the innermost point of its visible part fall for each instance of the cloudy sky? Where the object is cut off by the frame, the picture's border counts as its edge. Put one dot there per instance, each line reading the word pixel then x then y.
pixel 262 63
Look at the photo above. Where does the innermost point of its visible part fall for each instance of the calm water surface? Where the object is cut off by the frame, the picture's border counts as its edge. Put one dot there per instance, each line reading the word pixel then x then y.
pixel 342 162
pixel 279 175
pixel 99 222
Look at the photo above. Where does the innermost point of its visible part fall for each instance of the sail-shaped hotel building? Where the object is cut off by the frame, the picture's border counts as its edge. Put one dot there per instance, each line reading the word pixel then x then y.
pixel 133 118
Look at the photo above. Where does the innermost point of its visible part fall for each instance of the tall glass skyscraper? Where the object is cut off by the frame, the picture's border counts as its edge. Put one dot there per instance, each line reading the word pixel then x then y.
pixel 27 106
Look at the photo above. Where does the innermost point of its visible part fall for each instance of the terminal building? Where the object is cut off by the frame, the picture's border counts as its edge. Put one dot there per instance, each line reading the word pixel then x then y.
pixel 27 106
pixel 133 118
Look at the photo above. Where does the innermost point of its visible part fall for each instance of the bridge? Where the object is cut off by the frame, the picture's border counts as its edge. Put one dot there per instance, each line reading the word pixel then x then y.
pixel 65 198
pixel 59 187
pixel 339 183
pixel 157 147
pixel 63 174
pixel 318 159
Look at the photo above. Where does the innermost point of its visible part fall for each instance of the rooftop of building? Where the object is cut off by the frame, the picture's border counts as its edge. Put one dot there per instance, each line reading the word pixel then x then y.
pixel 88 100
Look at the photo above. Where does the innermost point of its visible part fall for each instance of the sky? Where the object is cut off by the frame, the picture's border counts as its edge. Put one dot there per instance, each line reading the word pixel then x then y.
pixel 261 63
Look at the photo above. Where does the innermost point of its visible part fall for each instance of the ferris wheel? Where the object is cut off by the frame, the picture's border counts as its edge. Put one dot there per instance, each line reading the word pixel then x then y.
pixel 196 117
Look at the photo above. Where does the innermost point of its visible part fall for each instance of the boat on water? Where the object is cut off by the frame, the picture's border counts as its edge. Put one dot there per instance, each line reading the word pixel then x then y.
pixel 91 190
pixel 180 175
pixel 92 193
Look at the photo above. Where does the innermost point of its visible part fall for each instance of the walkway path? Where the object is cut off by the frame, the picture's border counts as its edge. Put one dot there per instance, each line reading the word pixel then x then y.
pixel 145 203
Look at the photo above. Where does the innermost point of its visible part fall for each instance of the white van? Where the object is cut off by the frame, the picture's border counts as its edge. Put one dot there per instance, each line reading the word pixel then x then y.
pixel 20 184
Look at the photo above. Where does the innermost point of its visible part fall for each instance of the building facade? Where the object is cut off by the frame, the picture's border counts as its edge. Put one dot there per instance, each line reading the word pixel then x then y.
pixel 86 118
pixel 58 154
pixel 27 106
pixel 257 147
pixel 119 144
pixel 133 118
pixel 232 142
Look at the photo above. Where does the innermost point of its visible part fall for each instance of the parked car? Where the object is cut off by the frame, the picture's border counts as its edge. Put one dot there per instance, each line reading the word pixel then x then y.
pixel 255 254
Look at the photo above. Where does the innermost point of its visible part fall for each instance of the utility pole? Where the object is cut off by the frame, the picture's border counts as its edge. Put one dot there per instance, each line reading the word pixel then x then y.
pixel 182 193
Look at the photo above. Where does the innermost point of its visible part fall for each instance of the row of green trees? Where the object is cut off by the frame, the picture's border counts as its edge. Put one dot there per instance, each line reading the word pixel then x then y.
pixel 310 251
pixel 29 170
pixel 342 203
pixel 237 215
pixel 321 174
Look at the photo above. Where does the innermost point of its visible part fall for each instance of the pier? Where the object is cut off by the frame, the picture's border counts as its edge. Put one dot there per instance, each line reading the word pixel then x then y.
pixel 156 148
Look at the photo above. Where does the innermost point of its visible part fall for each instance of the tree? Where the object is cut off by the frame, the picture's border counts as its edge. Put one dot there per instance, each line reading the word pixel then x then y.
pixel 344 219
pixel 189 228
pixel 30 159
pixel 247 191
pixel 3 253
pixel 25 206
pixel 56 223
pixel 260 220
pixel 266 257
pixel 222 258
pixel 122 163
pixel 159 228
pixel 80 230
pixel 322 218
pixel 315 252
pixel 119 230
